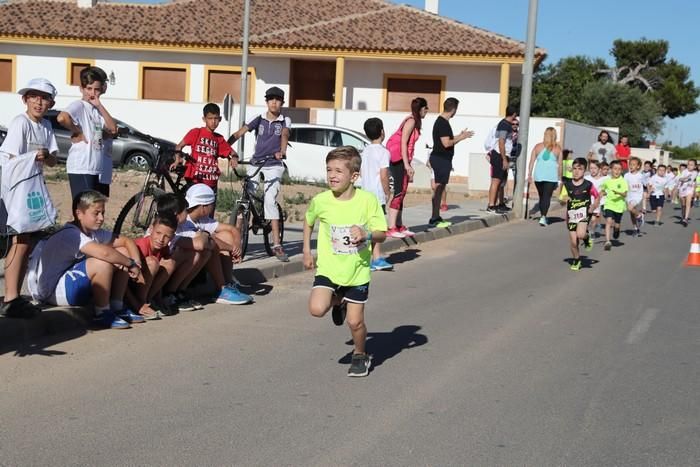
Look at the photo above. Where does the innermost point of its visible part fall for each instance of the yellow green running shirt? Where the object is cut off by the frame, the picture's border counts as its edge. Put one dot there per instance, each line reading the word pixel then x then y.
pixel 338 259
pixel 613 201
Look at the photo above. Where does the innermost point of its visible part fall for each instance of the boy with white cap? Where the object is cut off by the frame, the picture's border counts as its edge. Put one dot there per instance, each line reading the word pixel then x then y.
pixel 29 135
pixel 222 241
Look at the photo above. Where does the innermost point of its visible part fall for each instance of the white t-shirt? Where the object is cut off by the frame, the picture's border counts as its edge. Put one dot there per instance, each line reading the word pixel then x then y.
pixel 27 136
pixel 659 185
pixel 597 183
pixel 189 228
pixel 374 158
pixel 59 253
pixel 86 157
pixel 635 182
pixel 603 152
pixel 671 180
pixel 687 182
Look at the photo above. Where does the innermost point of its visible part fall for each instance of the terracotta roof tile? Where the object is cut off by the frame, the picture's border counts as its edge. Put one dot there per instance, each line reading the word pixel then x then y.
pixel 373 25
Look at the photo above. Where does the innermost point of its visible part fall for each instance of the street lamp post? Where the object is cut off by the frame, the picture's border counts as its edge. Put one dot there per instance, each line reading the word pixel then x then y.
pixel 525 100
pixel 244 75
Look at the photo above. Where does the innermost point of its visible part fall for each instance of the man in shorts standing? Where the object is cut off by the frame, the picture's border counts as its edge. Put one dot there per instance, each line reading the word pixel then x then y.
pixel 498 157
pixel 441 158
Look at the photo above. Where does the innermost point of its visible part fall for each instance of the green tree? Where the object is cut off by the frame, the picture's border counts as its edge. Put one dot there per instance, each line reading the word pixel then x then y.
pixel 643 63
pixel 637 114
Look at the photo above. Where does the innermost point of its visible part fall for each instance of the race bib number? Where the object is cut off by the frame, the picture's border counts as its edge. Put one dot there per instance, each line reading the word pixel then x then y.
pixel 341 240
pixel 577 215
pixel 636 187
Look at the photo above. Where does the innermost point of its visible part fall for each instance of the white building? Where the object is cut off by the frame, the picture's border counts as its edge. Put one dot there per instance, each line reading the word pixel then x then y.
pixel 336 66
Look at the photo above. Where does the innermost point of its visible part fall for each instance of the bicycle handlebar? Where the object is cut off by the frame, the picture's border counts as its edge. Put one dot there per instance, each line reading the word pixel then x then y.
pixel 259 163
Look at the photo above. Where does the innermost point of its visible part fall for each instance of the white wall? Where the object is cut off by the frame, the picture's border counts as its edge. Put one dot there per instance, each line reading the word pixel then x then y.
pixel 476 87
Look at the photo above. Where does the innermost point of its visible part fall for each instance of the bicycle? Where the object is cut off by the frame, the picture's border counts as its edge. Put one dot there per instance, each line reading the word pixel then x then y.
pixel 251 204
pixel 157 182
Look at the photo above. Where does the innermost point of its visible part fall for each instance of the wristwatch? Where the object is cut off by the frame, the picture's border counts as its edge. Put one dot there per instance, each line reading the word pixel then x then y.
pixel 133 263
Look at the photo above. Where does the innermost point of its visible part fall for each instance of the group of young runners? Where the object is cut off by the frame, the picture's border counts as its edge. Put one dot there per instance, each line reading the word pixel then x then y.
pixel 597 194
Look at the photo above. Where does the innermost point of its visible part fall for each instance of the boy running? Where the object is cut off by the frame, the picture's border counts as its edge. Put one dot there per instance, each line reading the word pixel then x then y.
pixel 615 191
pixel 349 221
pixel 686 190
pixel 657 187
pixel 597 178
pixel 635 194
pixel 578 193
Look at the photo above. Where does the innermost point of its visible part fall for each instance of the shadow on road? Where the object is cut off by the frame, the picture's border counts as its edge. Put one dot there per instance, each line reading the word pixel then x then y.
pixel 404 256
pixel 385 345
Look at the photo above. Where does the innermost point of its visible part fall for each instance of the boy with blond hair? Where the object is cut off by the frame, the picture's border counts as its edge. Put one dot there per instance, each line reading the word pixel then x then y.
pixel 349 221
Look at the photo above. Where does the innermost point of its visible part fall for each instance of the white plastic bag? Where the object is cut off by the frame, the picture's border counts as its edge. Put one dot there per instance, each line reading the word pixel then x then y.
pixel 25 196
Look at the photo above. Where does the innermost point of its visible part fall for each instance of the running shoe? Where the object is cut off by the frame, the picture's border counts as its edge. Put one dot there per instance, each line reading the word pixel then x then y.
pixel 338 313
pixel 380 264
pixel 444 207
pixel 491 209
pixel 404 230
pixel 439 223
pixel 230 295
pixel 503 208
pixel 543 221
pixel 359 365
pixel 616 233
pixel 108 320
pixel 640 220
pixel 588 243
pixel 607 246
pixel 684 222
pixel 660 223
pixel 187 302
pixel 394 233
pixel 279 253
pixel 575 265
pixel 131 317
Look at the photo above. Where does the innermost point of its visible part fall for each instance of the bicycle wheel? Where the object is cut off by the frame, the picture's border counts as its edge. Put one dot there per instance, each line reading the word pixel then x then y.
pixel 245 230
pixel 267 232
pixel 136 215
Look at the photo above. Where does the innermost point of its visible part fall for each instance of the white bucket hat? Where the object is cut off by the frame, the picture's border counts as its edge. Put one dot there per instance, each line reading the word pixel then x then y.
pixel 39 84
pixel 200 195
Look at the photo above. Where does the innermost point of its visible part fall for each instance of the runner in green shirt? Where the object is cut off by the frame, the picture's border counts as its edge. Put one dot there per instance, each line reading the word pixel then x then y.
pixel 350 220
pixel 615 191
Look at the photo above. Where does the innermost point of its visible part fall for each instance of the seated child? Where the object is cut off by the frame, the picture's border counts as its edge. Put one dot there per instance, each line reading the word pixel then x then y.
pixel 221 241
pixel 159 266
pixel 82 264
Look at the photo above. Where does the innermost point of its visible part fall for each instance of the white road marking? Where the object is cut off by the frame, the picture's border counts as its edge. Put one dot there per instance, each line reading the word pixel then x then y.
pixel 640 329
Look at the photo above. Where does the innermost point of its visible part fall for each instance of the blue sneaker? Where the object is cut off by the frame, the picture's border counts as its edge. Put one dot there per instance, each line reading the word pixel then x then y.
pixel 230 295
pixel 380 264
pixel 129 316
pixel 108 320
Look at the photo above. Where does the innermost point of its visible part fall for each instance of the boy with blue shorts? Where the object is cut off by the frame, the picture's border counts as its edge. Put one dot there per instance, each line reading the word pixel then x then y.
pixel 82 264
pixel 349 221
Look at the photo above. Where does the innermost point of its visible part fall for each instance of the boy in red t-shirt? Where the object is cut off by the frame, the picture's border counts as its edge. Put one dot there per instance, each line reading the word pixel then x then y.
pixel 207 147
pixel 158 264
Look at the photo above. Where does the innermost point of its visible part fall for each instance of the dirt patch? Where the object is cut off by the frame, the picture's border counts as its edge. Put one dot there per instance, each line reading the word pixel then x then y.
pixel 295 197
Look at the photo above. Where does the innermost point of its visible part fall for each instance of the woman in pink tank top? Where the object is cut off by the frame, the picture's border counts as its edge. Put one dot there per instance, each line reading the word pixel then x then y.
pixel 401 170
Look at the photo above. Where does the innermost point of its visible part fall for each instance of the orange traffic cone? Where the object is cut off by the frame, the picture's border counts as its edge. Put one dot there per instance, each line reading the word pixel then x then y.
pixel 694 255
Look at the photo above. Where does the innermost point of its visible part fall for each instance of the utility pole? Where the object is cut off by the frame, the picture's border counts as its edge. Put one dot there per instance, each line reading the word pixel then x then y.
pixel 244 76
pixel 525 100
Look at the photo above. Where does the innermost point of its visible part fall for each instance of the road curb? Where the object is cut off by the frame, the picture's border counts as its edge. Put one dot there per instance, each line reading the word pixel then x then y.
pixel 19 335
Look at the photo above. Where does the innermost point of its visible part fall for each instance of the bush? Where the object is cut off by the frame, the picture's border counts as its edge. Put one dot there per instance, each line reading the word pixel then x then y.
pixel 226 199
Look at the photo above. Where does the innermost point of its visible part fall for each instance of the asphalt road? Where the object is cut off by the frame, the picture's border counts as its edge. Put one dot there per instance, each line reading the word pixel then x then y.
pixel 488 351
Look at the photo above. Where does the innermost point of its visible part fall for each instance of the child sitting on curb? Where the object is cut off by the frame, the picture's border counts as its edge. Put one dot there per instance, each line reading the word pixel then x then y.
pixel 82 264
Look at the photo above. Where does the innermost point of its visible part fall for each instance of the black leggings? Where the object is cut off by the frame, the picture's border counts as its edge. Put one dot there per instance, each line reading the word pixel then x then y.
pixel 545 190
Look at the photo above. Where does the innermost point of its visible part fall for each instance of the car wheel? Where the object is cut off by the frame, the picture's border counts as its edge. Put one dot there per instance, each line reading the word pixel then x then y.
pixel 139 160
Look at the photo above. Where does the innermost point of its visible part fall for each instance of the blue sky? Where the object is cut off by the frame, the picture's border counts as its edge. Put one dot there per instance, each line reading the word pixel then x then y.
pixel 575 27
